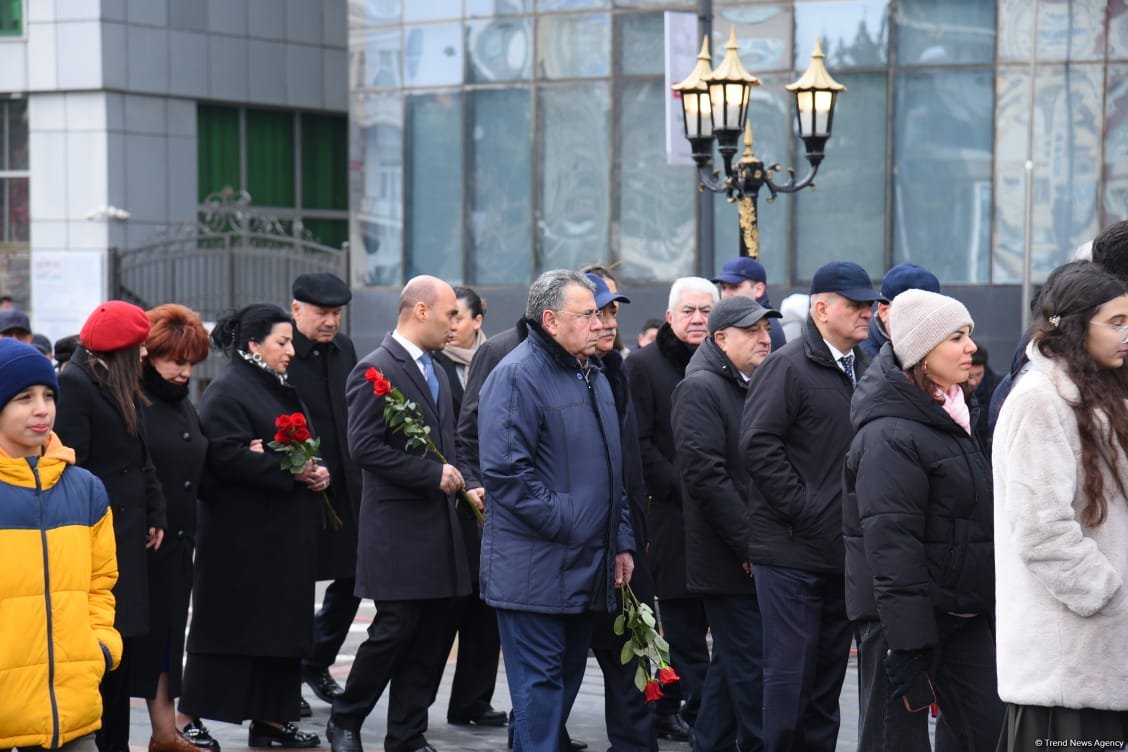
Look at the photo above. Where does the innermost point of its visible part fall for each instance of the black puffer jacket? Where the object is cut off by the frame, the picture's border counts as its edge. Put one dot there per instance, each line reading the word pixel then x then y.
pixel 917 517
pixel 714 478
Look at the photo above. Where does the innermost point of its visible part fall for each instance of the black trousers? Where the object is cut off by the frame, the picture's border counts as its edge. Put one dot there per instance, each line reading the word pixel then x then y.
pixel 685 627
pixel 331 625
pixel 733 698
pixel 114 734
pixel 963 678
pixel 407 648
pixel 806 650
pixel 475 672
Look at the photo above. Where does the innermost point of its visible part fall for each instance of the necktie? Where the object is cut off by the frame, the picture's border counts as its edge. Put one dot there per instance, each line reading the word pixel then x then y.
pixel 429 374
pixel 847 362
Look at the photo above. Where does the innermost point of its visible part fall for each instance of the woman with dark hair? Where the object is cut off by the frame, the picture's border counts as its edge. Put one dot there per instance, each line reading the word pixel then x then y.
pixel 917 531
pixel 177 341
pixel 467 338
pixel 256 541
pixel 99 416
pixel 1061 520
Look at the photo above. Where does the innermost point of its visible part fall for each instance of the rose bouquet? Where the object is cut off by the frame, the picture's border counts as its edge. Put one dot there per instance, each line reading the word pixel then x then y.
pixel 645 644
pixel 402 415
pixel 297 446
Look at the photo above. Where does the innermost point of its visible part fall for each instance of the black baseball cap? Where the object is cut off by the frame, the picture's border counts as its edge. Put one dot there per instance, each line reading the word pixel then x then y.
pixel 740 312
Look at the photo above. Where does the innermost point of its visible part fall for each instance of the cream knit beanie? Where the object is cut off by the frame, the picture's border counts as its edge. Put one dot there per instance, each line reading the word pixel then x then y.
pixel 919 320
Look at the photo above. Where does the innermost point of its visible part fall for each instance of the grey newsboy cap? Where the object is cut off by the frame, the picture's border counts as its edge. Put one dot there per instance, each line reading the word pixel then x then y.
pixel 740 312
pixel 322 289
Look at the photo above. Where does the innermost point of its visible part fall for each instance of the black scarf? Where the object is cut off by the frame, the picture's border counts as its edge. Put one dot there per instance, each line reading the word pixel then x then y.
pixel 673 349
pixel 159 387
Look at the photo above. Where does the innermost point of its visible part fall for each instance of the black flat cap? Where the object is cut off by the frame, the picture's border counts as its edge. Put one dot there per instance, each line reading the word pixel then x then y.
pixel 322 289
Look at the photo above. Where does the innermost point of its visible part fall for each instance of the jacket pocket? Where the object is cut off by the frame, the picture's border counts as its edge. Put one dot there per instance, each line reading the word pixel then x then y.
pixel 955 558
pixel 107 658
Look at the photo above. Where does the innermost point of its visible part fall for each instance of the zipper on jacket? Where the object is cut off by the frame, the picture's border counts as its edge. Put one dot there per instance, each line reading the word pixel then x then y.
pixel 47 599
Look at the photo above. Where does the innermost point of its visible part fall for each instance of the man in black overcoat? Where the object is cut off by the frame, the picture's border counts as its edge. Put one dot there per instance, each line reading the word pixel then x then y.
pixel 411 558
pixel 323 359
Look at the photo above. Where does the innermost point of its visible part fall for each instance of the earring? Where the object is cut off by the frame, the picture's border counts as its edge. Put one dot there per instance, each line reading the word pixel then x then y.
pixel 256 357
pixel 1055 320
pixel 924 366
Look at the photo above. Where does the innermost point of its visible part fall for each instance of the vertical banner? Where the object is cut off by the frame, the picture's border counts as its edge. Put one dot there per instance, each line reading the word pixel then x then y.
pixel 681 45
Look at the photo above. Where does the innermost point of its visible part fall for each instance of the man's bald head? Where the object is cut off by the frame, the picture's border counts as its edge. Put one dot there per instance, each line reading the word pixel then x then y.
pixel 422 289
pixel 427 311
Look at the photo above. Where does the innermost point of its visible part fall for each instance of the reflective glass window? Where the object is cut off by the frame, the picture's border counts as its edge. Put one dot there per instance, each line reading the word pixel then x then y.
pixel 432 10
pixel 573 178
pixel 763 33
pixel 270 158
pixel 945 31
pixel 550 5
pixel 574 46
pixel 433 155
pixel 854 34
pixel 1068 30
pixel 1067 150
pixel 845 217
pixel 942 193
pixel 656 214
pixel 432 54
pixel 1115 204
pixel 13 134
pixel 15 214
pixel 500 184
pixel 11 18
pixel 1118 29
pixel 641 36
pixel 500 49
pixel 374 11
pixel 382 52
pixel 496 7
pixel 378 200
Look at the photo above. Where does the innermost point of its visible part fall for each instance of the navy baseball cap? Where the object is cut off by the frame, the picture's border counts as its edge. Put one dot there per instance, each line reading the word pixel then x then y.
pixel 908 277
pixel 739 269
pixel 848 280
pixel 14 320
pixel 603 295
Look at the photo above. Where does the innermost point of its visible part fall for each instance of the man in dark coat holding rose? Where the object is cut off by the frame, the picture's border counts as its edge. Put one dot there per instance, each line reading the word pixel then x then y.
pixel 411 558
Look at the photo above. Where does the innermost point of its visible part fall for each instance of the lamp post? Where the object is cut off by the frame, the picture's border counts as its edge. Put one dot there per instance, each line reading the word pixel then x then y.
pixel 715 107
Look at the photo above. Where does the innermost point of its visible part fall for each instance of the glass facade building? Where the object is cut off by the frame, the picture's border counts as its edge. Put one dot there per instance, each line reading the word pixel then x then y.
pixel 493 139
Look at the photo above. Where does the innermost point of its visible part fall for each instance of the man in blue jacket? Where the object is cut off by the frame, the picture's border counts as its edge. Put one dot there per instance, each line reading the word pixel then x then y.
pixel 557 539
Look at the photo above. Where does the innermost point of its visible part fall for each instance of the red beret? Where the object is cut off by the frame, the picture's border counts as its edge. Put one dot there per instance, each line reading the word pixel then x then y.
pixel 114 325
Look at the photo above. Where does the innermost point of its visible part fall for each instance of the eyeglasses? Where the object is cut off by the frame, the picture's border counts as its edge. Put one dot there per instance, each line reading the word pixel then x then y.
pixel 585 316
pixel 1122 328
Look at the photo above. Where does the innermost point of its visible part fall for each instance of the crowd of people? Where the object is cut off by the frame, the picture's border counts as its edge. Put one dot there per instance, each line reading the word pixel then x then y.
pixel 782 488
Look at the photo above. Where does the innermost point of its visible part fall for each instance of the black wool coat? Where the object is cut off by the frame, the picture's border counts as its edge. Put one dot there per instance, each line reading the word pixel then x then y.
pixel 178 447
pixel 319 373
pixel 715 485
pixel 918 511
pixel 410 539
pixel 256 544
pixel 653 372
pixel 794 434
pixel 471 532
pixel 88 421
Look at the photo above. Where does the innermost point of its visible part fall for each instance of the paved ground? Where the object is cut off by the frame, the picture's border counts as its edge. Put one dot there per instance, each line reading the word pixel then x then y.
pixel 585 724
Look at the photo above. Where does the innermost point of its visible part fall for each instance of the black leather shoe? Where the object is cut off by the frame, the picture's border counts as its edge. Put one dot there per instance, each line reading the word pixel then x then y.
pixel 286 735
pixel 304 710
pixel 341 739
pixel 672 727
pixel 491 717
pixel 197 733
pixel 323 685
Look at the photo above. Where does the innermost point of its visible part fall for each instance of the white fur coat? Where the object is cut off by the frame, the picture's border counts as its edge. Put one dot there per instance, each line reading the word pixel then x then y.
pixel 1062 607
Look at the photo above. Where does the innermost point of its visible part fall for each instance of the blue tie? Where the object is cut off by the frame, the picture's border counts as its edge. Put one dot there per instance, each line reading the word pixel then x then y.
pixel 847 362
pixel 429 374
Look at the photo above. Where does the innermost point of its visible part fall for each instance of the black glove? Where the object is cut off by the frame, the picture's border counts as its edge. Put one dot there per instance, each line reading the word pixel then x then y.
pixel 903 666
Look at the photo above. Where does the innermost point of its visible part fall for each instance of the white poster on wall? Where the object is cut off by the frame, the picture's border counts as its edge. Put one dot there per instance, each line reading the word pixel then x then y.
pixel 681 43
pixel 65 287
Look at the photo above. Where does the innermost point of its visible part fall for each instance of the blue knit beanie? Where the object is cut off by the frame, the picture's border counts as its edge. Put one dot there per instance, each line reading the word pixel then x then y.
pixel 22 366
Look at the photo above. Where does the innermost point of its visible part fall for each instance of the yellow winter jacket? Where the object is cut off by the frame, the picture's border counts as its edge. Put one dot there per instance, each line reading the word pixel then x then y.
pixel 58 563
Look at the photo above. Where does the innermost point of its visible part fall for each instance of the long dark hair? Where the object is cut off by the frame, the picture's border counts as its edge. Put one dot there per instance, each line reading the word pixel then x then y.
pixel 1066 305
pixel 235 329
pixel 474 302
pixel 918 377
pixel 119 372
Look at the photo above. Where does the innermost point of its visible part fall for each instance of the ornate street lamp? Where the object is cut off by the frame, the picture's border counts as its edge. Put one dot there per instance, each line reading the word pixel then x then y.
pixel 715 106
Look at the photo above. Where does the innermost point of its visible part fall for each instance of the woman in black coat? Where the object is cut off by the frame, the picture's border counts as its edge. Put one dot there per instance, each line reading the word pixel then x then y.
pixel 176 443
pixel 256 544
pixel 918 531
pixel 99 416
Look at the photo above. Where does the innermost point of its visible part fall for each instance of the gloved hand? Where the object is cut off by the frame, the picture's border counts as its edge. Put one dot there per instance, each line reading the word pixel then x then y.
pixel 902 667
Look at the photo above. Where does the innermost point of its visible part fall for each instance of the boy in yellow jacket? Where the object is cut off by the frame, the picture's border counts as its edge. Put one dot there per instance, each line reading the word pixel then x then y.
pixel 58 564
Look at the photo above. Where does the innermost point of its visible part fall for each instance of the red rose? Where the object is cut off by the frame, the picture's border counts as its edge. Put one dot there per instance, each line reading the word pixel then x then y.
pixel 372 375
pixel 382 387
pixel 283 422
pixel 653 691
pixel 297 420
pixel 282 437
pixel 301 434
pixel 667 675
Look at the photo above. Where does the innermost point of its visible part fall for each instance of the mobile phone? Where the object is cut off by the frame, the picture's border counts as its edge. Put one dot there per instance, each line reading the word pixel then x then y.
pixel 920 695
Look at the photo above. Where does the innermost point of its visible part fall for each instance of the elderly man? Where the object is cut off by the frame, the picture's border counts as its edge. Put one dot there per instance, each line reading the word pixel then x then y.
pixel 411 558
pixel 898 279
pixel 653 372
pixel 557 539
pixel 715 495
pixel 748 277
pixel 323 358
pixel 795 432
